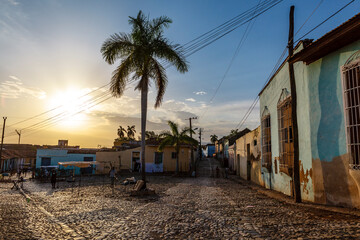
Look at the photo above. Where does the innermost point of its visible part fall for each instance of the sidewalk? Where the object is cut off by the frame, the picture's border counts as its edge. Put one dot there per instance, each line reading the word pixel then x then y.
pixel 288 200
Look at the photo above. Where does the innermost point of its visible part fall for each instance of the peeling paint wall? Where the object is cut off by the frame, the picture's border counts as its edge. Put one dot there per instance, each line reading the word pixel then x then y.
pixel 333 182
pixel 269 98
pixel 252 171
pixel 324 172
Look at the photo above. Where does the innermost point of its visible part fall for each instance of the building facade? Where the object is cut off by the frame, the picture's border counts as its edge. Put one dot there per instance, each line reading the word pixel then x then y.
pixel 327 81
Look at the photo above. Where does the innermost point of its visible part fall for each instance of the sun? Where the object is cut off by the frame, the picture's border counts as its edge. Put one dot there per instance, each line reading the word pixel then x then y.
pixel 70 107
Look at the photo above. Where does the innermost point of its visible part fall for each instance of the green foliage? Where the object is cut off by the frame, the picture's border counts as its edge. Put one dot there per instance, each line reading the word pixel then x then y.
pixel 175 138
pixel 213 138
pixel 139 53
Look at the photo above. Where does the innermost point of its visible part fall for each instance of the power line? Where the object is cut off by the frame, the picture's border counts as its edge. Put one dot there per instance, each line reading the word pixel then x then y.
pixel 332 15
pixel 57 107
pixel 190 47
pixel 244 36
pixel 247 114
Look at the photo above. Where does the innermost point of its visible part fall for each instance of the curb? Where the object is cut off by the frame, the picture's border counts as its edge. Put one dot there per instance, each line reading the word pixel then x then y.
pixel 288 200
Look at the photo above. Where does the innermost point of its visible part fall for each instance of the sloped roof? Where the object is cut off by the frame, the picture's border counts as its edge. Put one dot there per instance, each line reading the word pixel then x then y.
pixel 343 35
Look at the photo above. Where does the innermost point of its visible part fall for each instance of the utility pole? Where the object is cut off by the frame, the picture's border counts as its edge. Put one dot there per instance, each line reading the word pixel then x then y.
pixel 2 141
pixel 18 133
pixel 296 168
pixel 192 150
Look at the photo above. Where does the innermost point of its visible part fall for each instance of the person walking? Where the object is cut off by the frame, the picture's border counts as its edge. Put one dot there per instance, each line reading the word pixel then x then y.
pixel 112 176
pixel 53 178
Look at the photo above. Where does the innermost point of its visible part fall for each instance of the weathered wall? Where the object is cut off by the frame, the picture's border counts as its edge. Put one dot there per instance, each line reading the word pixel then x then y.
pixel 254 171
pixel 169 163
pixel 269 98
pixel 231 152
pixel 107 159
pixel 332 180
pixel 60 155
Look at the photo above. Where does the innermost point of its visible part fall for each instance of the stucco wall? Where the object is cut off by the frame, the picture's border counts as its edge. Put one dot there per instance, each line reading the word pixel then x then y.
pixel 169 163
pixel 61 155
pixel 324 172
pixel 333 182
pixel 269 98
pixel 107 159
pixel 254 171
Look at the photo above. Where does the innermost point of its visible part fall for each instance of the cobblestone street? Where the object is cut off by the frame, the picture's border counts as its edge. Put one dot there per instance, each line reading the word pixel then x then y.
pixel 184 208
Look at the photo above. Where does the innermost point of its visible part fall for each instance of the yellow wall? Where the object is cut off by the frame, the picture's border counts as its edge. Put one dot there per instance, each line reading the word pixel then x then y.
pixel 255 156
pixel 169 164
pixel 107 159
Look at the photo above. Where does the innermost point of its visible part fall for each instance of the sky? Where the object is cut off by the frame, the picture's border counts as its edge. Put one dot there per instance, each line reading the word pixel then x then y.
pixel 51 66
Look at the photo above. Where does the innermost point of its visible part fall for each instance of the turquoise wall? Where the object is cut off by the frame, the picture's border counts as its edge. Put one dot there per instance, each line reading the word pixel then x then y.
pixel 61 155
pixel 269 98
pixel 328 138
pixel 321 127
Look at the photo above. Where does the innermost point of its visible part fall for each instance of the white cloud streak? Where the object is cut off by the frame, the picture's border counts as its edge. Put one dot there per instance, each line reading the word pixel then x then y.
pixel 14 89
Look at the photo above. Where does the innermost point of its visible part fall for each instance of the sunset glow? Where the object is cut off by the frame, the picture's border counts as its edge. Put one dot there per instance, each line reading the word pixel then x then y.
pixel 71 107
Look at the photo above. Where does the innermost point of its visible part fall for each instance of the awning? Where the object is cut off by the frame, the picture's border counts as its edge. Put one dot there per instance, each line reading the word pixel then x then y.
pixel 53 166
pixel 78 164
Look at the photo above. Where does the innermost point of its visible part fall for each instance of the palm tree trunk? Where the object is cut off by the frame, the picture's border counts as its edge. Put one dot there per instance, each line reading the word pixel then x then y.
pixel 144 93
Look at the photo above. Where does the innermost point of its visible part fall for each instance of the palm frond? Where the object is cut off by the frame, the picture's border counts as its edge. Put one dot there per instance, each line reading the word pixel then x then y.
pixel 187 130
pixel 160 80
pixel 166 142
pixel 159 23
pixel 174 128
pixel 116 46
pixel 120 77
pixel 189 140
pixel 171 53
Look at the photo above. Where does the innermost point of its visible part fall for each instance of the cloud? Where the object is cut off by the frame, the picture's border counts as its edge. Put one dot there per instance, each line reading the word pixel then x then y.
pixel 13 2
pixel 200 93
pixel 190 100
pixel 15 89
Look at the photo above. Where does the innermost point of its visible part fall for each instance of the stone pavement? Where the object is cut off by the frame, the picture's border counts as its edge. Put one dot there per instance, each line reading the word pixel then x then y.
pixel 185 208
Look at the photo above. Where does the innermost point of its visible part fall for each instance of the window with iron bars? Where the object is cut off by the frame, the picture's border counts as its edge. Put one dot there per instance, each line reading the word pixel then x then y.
pixel 286 145
pixel 266 141
pixel 351 96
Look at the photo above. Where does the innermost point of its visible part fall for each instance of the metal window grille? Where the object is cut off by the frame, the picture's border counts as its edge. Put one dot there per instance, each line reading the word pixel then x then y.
pixel 285 136
pixel 266 141
pixel 351 96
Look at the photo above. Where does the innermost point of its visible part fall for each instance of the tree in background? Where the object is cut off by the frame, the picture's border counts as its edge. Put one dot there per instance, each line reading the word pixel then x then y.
pixel 175 138
pixel 140 52
pixel 121 132
pixel 213 138
pixel 131 132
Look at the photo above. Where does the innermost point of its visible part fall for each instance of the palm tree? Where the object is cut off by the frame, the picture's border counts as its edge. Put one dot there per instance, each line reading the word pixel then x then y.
pixel 151 135
pixel 233 132
pixel 121 132
pixel 175 138
pixel 140 52
pixel 213 138
pixel 131 132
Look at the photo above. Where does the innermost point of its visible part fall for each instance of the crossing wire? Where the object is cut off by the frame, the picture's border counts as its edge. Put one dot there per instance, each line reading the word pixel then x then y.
pixel 247 114
pixel 216 34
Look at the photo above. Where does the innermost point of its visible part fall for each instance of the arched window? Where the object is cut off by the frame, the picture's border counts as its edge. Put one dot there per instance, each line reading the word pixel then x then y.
pixel 266 138
pixel 286 144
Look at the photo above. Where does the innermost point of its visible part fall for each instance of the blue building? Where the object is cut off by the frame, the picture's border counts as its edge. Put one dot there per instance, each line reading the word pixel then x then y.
pixel 51 158
pixel 209 150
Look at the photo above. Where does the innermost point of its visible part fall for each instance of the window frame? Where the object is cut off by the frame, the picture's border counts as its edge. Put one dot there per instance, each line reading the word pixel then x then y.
pixel 266 141
pixel 286 144
pixel 351 93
